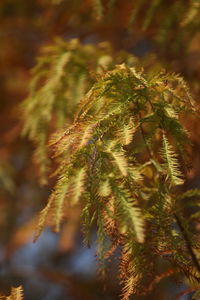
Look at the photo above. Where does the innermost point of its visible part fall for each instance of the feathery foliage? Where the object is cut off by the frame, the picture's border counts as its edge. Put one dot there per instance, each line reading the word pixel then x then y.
pixel 173 22
pixel 171 163
pixel 120 158
pixel 113 135
pixel 62 76
pixel 16 294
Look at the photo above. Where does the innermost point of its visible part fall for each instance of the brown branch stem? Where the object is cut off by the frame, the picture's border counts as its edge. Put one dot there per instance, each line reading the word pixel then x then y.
pixel 187 242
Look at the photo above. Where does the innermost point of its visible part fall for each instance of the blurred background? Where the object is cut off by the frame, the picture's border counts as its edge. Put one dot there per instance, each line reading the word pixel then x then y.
pixel 160 34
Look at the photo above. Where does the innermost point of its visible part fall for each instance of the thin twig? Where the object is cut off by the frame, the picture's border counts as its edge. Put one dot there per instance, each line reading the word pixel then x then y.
pixel 187 242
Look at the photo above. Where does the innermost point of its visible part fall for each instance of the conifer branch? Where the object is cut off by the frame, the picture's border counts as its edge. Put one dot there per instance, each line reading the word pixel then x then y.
pixel 101 164
pixel 188 243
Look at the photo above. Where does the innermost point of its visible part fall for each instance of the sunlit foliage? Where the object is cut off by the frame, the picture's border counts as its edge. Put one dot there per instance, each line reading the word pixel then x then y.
pixel 16 294
pixel 121 158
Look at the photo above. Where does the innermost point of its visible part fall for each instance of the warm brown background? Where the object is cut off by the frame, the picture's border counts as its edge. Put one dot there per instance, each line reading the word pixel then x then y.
pixel 58 267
